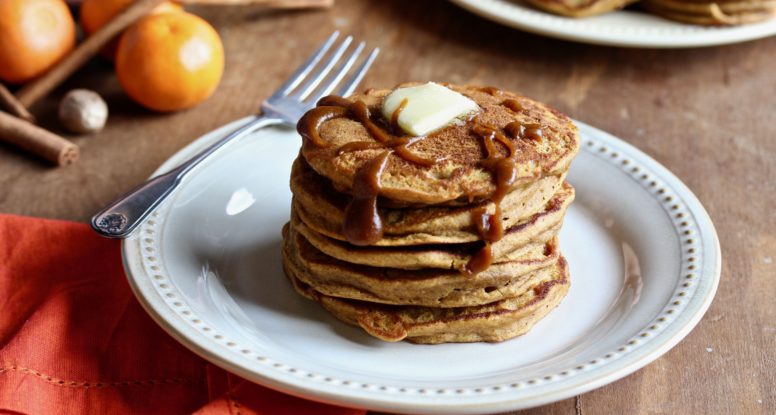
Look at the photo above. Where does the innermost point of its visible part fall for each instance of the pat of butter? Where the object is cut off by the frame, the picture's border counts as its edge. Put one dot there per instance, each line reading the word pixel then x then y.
pixel 429 107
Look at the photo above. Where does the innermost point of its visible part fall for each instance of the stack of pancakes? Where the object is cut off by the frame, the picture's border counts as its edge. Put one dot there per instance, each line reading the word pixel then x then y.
pixel 450 237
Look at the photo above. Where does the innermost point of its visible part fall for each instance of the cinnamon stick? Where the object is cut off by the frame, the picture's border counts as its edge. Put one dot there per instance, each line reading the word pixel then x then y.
pixel 40 87
pixel 275 4
pixel 12 105
pixel 37 140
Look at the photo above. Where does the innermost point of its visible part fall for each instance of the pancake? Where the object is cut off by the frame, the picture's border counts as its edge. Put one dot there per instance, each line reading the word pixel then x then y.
pixel 458 177
pixel 539 228
pixel 493 322
pixel 720 12
pixel 428 287
pixel 579 8
pixel 322 208
pixel 447 257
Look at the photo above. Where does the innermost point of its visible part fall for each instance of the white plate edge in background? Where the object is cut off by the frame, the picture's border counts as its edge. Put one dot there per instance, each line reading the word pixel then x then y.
pixel 667 34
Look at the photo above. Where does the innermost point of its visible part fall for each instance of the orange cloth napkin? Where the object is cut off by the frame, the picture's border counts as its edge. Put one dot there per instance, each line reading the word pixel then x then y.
pixel 73 339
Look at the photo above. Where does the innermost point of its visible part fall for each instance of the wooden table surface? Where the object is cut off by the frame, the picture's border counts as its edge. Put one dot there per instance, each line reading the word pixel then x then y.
pixel 709 115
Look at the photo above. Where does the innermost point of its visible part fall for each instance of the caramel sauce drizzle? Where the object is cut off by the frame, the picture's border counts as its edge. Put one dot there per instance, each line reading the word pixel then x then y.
pixel 312 120
pixel 517 129
pixel 524 131
pixel 513 104
pixel 360 112
pixel 363 224
pixel 491 90
pixel 504 171
pixel 332 106
pixel 397 112
pixel 333 101
pixel 400 145
pixel 533 131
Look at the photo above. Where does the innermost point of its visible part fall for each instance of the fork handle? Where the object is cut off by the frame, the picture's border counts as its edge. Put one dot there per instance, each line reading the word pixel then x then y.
pixel 123 215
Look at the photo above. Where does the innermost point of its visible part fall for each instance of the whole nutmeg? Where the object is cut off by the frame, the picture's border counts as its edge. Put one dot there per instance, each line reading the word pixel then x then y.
pixel 83 111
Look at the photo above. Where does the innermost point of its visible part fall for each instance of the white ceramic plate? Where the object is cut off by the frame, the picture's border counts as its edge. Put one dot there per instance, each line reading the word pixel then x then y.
pixel 643 254
pixel 619 28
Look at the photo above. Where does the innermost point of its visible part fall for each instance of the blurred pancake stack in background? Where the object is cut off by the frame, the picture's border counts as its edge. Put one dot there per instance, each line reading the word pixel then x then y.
pixel 719 12
pixel 700 12
pixel 580 8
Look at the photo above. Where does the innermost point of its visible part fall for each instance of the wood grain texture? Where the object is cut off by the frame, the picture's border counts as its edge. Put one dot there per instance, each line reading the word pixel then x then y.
pixel 707 114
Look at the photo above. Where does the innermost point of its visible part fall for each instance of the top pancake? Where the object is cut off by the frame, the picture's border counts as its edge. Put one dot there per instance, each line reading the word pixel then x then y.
pixel 459 177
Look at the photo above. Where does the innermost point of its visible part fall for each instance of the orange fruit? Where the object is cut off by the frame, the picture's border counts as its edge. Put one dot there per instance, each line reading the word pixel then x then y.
pixel 34 35
pixel 170 61
pixel 94 14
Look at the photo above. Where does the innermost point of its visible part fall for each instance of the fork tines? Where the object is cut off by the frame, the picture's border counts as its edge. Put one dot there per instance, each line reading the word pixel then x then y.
pixel 315 79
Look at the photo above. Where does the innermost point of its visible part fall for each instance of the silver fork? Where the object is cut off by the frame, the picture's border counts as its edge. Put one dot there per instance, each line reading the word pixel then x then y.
pixel 297 95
